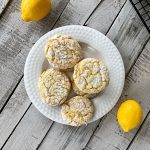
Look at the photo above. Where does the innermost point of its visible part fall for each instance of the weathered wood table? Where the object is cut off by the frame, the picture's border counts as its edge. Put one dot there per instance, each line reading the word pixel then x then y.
pixel 22 127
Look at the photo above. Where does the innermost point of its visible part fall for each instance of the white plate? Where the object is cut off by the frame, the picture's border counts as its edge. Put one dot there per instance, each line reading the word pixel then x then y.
pixel 94 44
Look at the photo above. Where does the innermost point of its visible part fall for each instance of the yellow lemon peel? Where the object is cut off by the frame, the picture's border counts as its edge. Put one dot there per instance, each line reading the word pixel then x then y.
pixel 34 10
pixel 129 115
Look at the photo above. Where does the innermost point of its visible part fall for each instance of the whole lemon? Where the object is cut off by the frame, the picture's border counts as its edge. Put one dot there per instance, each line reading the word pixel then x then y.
pixel 34 10
pixel 129 115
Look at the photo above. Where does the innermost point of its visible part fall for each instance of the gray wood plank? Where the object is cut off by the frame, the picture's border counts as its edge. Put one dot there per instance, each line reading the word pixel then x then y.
pixel 67 137
pixel 17 61
pixel 105 14
pixel 12 60
pixel 30 128
pixel 127 32
pixel 80 136
pixel 13 112
pixel 3 4
pixel 142 140
pixel 74 11
pixel 16 39
pixel 125 21
pixel 137 87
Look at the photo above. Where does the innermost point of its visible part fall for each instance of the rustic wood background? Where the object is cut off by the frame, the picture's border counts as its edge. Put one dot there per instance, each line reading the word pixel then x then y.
pixel 22 127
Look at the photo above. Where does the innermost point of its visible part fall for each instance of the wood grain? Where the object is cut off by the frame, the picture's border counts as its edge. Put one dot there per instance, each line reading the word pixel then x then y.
pixel 105 15
pixel 67 137
pixel 13 111
pixel 29 127
pixel 137 87
pixel 127 33
pixel 15 46
pixel 16 39
pixel 77 12
pixel 70 137
pixel 85 132
pixel 142 140
pixel 126 47
pixel 22 41
pixel 3 4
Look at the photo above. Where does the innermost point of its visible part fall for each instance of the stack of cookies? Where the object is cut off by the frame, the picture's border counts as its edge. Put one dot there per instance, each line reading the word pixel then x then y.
pixel 90 77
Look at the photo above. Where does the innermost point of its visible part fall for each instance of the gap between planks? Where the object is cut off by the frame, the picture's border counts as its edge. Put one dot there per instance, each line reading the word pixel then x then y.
pixel 142 141
pixel 138 131
pixel 11 92
pixel 18 84
pixel 52 27
pixel 3 6
pixel 137 56
pixel 23 74
pixel 142 66
pixel 16 126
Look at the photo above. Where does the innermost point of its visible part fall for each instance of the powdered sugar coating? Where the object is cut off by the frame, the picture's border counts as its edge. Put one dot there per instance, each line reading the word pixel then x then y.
pixel 78 92
pixel 54 87
pixel 90 77
pixel 77 111
pixel 63 52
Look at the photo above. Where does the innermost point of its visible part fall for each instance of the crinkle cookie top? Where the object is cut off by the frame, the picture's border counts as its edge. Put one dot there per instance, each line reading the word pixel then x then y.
pixel 54 87
pixel 63 52
pixel 77 111
pixel 90 76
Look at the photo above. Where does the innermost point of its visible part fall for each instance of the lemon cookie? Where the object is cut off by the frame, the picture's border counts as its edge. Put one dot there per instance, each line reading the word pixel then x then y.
pixel 54 87
pixel 77 111
pixel 78 92
pixel 90 77
pixel 63 52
